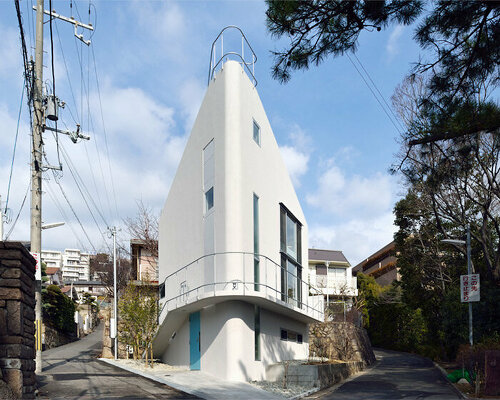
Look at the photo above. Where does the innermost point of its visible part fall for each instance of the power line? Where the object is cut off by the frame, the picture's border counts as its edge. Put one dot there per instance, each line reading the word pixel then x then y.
pixel 373 93
pixel 63 214
pixel 377 89
pixel 15 145
pixel 104 130
pixel 19 213
pixel 69 163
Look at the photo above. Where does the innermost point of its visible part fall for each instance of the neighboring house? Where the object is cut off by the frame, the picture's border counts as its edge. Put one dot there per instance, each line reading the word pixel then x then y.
pixel 54 275
pixel 331 273
pixel 74 264
pixel 143 261
pixel 95 288
pixel 234 296
pixel 70 291
pixel 381 265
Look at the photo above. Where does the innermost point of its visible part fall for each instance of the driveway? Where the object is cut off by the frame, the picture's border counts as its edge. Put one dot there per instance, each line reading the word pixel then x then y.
pixel 73 372
pixel 395 376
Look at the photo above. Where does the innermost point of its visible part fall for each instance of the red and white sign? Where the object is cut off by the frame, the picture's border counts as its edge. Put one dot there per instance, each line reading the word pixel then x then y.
pixel 469 288
pixel 38 269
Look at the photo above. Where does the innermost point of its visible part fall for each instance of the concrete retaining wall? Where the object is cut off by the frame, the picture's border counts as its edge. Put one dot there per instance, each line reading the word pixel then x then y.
pixel 316 375
pixel 17 319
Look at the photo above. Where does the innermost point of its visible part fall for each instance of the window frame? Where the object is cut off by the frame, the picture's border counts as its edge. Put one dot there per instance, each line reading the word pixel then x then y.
pixel 287 258
pixel 207 209
pixel 255 124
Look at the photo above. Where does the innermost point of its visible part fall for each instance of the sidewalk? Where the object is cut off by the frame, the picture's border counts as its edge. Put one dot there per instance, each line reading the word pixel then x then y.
pixel 200 384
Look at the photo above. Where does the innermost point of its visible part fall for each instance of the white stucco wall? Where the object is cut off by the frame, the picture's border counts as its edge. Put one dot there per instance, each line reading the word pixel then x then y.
pixel 227 342
pixel 242 168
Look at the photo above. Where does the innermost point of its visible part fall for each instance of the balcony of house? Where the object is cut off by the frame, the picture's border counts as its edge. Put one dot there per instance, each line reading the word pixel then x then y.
pixel 336 286
pixel 249 277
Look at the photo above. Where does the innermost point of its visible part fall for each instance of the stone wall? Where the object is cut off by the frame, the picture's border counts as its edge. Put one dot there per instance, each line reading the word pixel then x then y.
pixel 17 319
pixel 341 341
pixel 54 338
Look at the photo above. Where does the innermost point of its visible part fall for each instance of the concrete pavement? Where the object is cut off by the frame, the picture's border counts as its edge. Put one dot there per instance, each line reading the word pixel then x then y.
pixel 73 371
pixel 203 385
pixel 396 376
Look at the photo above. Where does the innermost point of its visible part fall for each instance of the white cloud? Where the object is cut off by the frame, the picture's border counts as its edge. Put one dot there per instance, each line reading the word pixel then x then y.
pixel 10 53
pixel 144 151
pixel 190 96
pixel 296 155
pixel 392 44
pixel 341 195
pixel 358 238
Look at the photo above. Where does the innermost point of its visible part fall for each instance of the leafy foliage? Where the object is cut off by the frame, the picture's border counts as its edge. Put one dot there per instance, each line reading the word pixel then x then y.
pixel 319 28
pixel 138 314
pixel 58 309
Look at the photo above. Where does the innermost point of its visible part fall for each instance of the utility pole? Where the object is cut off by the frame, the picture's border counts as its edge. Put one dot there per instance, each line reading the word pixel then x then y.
pixel 36 177
pixel 471 341
pixel 36 166
pixel 114 329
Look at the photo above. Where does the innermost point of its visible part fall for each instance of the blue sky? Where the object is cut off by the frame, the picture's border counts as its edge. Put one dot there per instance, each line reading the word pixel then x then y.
pixel 152 62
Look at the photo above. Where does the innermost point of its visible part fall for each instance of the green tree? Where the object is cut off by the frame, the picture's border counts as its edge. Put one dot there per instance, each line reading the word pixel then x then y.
pixel 58 309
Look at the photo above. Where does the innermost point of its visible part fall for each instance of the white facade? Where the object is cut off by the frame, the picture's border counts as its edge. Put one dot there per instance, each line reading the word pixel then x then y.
pixel 74 264
pixel 233 238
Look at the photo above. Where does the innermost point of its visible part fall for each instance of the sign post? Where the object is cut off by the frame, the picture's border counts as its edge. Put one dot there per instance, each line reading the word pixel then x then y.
pixel 469 288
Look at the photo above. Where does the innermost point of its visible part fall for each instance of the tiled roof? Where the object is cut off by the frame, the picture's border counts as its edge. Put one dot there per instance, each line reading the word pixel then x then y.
pixel 52 270
pixel 327 255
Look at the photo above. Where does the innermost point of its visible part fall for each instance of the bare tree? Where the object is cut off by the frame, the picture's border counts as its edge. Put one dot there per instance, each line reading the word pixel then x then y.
pixel 144 231
pixel 145 226
pixel 101 265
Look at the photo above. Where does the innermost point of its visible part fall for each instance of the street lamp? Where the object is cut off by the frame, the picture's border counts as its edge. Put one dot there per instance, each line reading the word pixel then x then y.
pixel 458 242
pixel 52 225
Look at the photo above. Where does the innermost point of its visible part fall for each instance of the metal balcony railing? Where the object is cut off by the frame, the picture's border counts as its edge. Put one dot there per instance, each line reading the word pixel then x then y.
pixel 217 61
pixel 239 273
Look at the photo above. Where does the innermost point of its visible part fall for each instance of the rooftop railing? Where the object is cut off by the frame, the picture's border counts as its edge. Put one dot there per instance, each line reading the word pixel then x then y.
pixel 216 60
pixel 239 273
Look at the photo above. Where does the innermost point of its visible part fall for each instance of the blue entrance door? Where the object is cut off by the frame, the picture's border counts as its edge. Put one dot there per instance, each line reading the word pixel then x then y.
pixel 194 340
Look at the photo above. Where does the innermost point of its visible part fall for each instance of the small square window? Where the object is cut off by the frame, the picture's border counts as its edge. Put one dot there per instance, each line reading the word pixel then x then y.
pixel 209 199
pixel 284 334
pixel 299 338
pixel 256 133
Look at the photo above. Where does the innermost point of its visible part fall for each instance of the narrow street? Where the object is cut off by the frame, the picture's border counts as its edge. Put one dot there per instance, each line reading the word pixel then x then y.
pixel 73 372
pixel 395 376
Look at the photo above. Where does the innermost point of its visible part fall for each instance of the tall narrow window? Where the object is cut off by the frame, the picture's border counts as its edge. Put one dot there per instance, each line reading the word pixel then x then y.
pixel 256 257
pixel 256 133
pixel 257 332
pixel 209 199
pixel 291 268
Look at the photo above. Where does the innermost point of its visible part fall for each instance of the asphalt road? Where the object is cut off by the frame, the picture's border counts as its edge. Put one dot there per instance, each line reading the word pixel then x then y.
pixel 395 376
pixel 73 372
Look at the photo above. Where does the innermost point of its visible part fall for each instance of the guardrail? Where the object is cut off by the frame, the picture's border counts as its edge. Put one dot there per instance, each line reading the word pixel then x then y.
pixel 216 62
pixel 239 273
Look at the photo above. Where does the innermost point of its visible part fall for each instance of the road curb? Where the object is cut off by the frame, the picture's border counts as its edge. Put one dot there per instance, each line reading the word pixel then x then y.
pixel 457 391
pixel 151 377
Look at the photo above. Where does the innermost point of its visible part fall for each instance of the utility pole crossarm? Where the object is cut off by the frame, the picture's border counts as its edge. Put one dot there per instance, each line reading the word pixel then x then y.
pixel 71 20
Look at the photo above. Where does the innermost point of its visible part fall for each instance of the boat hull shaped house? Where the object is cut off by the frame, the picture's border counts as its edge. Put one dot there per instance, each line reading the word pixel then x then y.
pixel 233 244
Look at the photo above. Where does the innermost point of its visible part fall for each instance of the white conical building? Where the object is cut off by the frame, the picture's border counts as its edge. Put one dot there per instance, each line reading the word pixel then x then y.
pixel 233 244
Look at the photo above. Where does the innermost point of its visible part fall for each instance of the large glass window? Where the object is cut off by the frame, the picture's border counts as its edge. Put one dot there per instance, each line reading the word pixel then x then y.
pixel 291 268
pixel 291 237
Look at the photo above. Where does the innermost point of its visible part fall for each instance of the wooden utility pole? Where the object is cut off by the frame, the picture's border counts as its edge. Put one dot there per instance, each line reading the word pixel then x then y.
pixel 36 177
pixel 36 162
